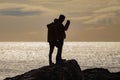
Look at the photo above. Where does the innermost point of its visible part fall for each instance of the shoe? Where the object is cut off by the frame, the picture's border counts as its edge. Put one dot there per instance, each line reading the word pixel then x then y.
pixel 63 60
pixel 51 64
pixel 60 61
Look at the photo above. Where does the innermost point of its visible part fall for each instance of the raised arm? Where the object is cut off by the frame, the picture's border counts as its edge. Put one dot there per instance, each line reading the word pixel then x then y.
pixel 67 25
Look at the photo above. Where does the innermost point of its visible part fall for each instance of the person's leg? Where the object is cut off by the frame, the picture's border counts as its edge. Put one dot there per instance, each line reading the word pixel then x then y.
pixel 50 52
pixel 59 51
pixel 56 43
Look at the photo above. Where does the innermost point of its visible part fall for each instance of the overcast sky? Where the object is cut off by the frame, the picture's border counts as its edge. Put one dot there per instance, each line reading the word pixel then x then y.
pixel 91 20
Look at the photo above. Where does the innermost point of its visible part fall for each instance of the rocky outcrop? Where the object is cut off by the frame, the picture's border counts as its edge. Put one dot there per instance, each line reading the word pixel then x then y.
pixel 100 74
pixel 67 70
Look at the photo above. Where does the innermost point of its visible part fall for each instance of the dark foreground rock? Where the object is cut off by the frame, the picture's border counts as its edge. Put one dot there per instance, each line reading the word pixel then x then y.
pixel 100 74
pixel 67 70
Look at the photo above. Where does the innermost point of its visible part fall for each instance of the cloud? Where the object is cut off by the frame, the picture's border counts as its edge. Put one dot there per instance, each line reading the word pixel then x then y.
pixel 108 9
pixel 18 12
pixel 82 18
pixel 109 15
pixel 51 0
pixel 12 9
pixel 101 19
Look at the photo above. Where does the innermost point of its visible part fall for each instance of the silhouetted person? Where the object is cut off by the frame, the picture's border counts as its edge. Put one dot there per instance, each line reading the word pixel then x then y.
pixel 52 38
pixel 61 36
pixel 56 36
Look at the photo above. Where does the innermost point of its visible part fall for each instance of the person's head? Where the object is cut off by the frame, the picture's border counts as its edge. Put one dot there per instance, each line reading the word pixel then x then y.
pixel 61 18
pixel 55 20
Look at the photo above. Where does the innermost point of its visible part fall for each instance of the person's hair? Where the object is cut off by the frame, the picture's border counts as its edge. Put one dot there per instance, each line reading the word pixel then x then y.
pixel 55 20
pixel 61 16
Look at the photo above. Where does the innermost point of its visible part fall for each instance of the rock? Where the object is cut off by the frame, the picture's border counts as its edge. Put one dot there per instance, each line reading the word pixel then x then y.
pixel 116 76
pixel 67 70
pixel 100 74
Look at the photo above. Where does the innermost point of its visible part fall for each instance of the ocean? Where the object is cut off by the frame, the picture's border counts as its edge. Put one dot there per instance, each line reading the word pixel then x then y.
pixel 19 57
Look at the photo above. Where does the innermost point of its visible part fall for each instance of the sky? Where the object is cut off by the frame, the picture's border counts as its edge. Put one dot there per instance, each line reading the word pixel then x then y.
pixel 91 20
